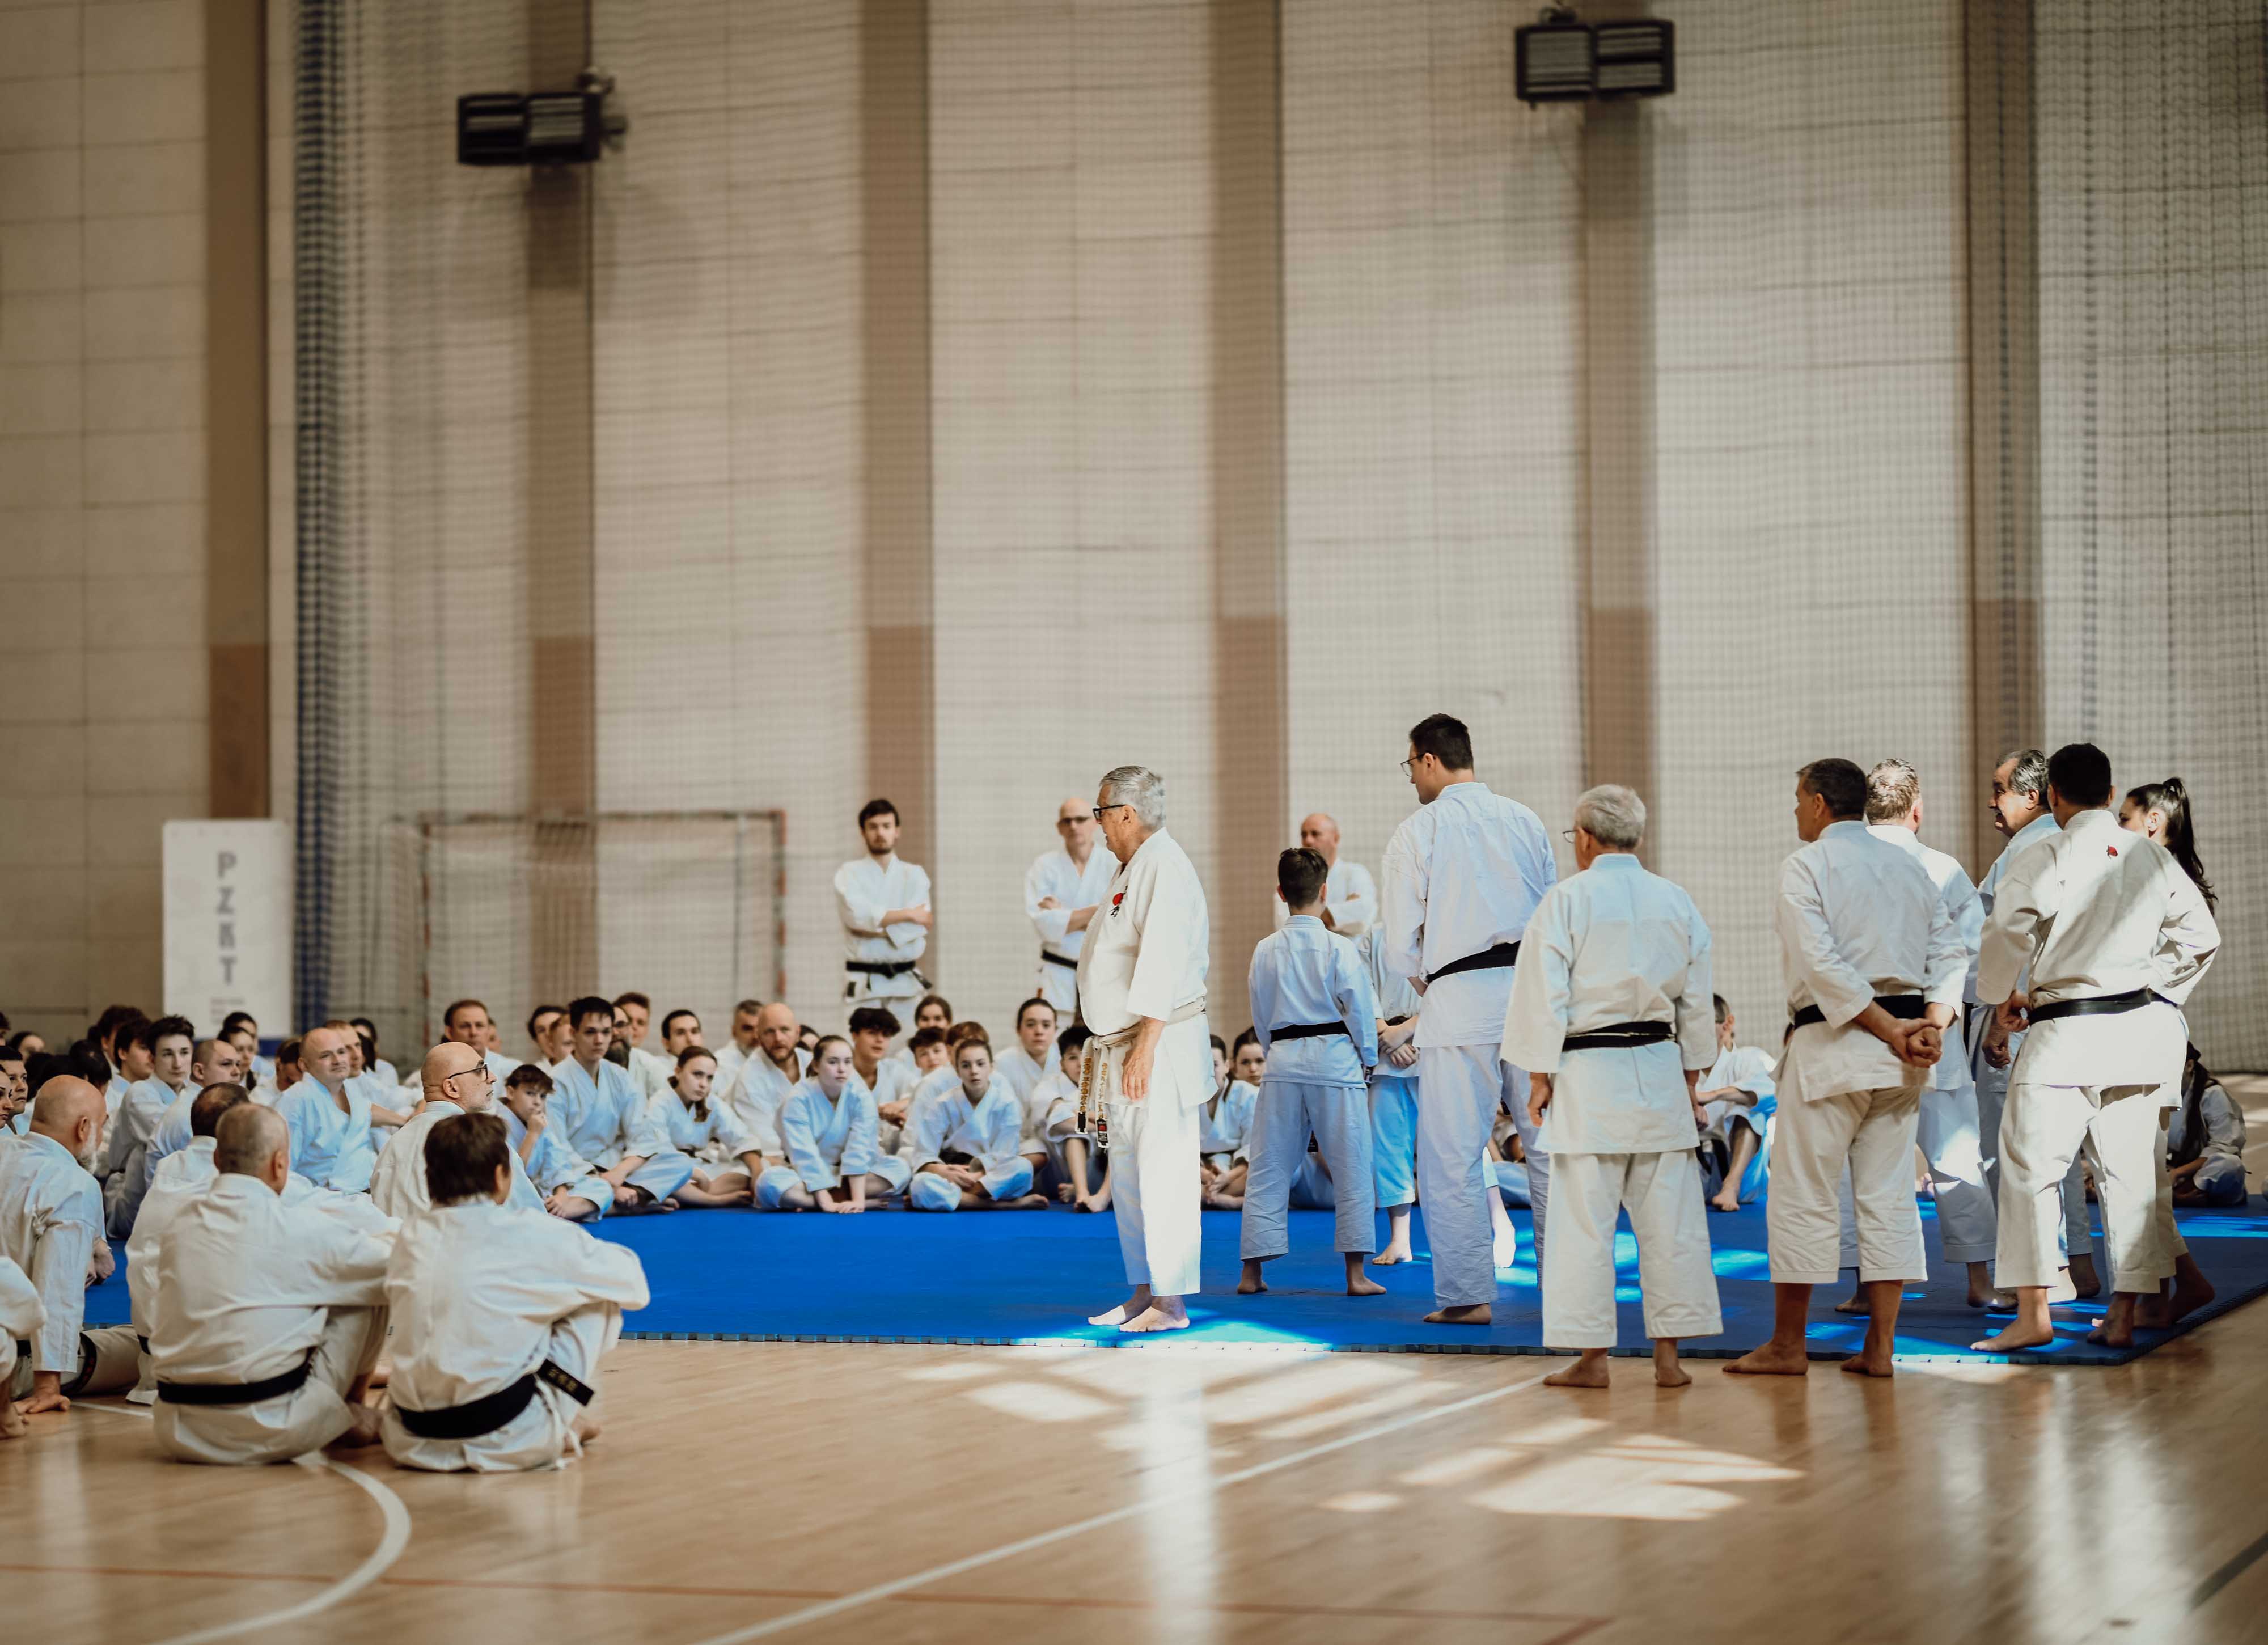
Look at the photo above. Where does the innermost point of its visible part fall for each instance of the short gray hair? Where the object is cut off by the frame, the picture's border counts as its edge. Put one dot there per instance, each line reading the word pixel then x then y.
pixel 2030 775
pixel 1140 787
pixel 1612 815
pixel 1892 788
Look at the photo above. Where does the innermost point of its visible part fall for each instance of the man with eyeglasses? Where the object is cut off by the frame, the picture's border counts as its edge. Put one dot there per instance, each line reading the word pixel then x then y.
pixel 1061 890
pixel 456 1080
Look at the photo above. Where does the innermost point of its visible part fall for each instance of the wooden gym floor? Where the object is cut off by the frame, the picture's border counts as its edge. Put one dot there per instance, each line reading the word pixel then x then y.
pixel 832 1493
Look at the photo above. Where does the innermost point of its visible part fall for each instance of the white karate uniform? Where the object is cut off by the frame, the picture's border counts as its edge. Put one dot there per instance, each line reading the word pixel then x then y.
pixel 1857 916
pixel 1146 956
pixel 1462 876
pixel 754 1096
pixel 602 1117
pixel 1054 874
pixel 2094 910
pixel 1224 1125
pixel 481 1295
pixel 1393 1091
pixel 331 1146
pixel 729 1063
pixel 650 1073
pixel 1023 1074
pixel 989 1131
pixel 830 1141
pixel 1056 1100
pixel 1744 1068
pixel 398 1184
pixel 551 1164
pixel 1317 1087
pixel 172 1135
pixel 249 1285
pixel 713 1135
pixel 1351 895
pixel 865 890
pixel 1614 945
pixel 50 1217
pixel 894 1081
pixel 22 1314
pixel 133 1122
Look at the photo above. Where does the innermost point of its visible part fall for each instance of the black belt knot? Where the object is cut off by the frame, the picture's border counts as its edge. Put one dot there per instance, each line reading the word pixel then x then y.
pixel 879 968
pixel 1048 956
pixel 1618 1036
pixel 1504 954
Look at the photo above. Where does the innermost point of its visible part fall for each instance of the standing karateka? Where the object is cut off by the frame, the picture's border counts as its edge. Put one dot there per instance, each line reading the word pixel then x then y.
pixel 269 1314
pixel 500 1317
pixel 963 1143
pixel 764 1078
pixel 602 1117
pixel 1315 1020
pixel 1142 990
pixel 1349 895
pixel 1463 874
pixel 170 1043
pixel 2114 937
pixel 454 1079
pixel 1611 1014
pixel 1874 969
pixel 51 1228
pixel 829 1129
pixel 1063 891
pixel 884 904
pixel 1393 1098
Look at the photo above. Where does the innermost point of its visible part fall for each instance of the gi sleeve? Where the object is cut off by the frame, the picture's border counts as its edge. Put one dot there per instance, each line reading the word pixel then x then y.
pixel 2024 900
pixel 729 1132
pixel 800 1139
pixel 1052 923
pixel 1165 925
pixel 1808 943
pixel 643 1131
pixel 905 933
pixel 2189 937
pixel 861 1145
pixel 1945 977
pixel 602 1271
pixel 1358 911
pixel 21 1311
pixel 1004 1127
pixel 1402 906
pixel 346 1264
pixel 1357 1006
pixel 1542 990
pixel 1260 989
pixel 924 1131
pixel 1697 1005
pixel 64 1245
pixel 861 916
pixel 2224 1124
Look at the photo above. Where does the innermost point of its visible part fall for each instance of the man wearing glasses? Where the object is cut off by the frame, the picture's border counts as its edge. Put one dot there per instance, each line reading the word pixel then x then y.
pixel 457 1080
pixel 1061 889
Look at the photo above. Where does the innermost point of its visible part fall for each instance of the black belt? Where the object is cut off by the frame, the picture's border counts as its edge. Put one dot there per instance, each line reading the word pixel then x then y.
pixel 879 968
pixel 1307 1031
pixel 237 1393
pixel 492 1412
pixel 2101 1005
pixel 1048 956
pixel 1909 1008
pixel 1617 1035
pixel 1497 958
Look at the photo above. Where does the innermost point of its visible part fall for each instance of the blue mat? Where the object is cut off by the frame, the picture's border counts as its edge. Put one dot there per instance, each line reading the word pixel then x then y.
pixel 1007 1278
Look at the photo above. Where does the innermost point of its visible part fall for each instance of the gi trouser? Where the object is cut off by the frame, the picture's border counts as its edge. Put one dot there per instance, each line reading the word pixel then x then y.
pixel 1459 1089
pixel 1393 1141
pixel 538 1436
pixel 1662 1192
pixel 1991 1103
pixel 778 1181
pixel 1155 1194
pixel 929 1191
pixel 1968 1226
pixel 308 1418
pixel 109 1361
pixel 2046 1130
pixel 1873 1133
pixel 1288 1111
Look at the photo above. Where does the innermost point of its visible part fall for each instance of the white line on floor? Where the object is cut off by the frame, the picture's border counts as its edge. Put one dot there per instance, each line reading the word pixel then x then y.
pixel 1062 1533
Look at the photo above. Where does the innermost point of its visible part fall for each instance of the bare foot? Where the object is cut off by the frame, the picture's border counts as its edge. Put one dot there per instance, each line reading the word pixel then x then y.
pixel 1029 1202
pixel 1869 1361
pixel 1771 1360
pixel 2192 1291
pixel 1251 1284
pixel 1667 1372
pixel 1723 1201
pixel 1508 1249
pixel 586 1428
pixel 2015 1337
pixel 1589 1371
pixel 1156 1319
pixel 2084 1278
pixel 1360 1284
pixel 1466 1314
pixel 1855 1303
pixel 1395 1253
pixel 1064 1193
pixel 12 1421
pixel 1124 1311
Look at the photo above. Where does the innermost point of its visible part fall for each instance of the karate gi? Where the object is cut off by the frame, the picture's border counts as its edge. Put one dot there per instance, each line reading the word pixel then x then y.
pixel 1393 1091
pixel 132 1123
pixel 714 1136
pixel 1023 1074
pixel 398 1184
pixel 50 1217
pixel 1745 1068
pixel 865 890
pixel 754 1096
pixel 651 1073
pixel 987 1133
pixel 1617 945
pixel 1857 916
pixel 1224 1125
pixel 172 1135
pixel 1316 1086
pixel 250 1286
pixel 2216 1137
pixel 551 1164
pixel 331 1146
pixel 1054 874
pixel 893 1082
pixel 1352 895
pixel 483 1294
pixel 1462 876
pixel 602 1117
pixel 829 1141
pixel 22 1315
pixel 1146 956
pixel 1056 1100
pixel 729 1064
pixel 2093 911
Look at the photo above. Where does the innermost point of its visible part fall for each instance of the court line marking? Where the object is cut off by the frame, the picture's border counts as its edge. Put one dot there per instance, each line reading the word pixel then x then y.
pixel 2234 1568
pixel 1063 1533
pixel 391 1542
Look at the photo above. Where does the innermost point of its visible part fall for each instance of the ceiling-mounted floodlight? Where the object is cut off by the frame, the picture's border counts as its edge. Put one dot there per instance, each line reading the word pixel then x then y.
pixel 1555 59
pixel 1637 59
pixel 540 128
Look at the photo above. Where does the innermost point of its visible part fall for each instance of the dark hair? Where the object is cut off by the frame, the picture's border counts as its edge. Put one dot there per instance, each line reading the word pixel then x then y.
pixel 13 1050
pixel 1250 1037
pixel 1724 1011
pixel 2080 774
pixel 207 1107
pixel 672 1016
pixel 1300 875
pixel 165 1028
pixel 691 1051
pixel 122 1035
pixel 2172 798
pixel 529 1076
pixel 977 1040
pixel 579 1011
pixel 463 1154
pixel 1036 999
pixel 960 1033
pixel 939 1002
pixel 365 1027
pixel 876 808
pixel 109 1023
pixel 804 1031
pixel 2197 1080
pixel 633 998
pixel 288 1052
pixel 1075 1037
pixel 84 1058
pixel 752 1006
pixel 824 1041
pixel 1220 1044
pixel 540 1012
pixel 449 1017
pixel 1841 783
pixel 235 1019
pixel 923 1038
pixel 873 1020
pixel 1446 739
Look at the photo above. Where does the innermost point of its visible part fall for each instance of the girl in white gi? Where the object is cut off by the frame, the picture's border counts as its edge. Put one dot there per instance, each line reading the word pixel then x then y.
pixel 1610 1014
pixel 701 1129
pixel 605 1121
pixel 1225 1123
pixel 500 1317
pixel 1394 1101
pixel 1738 1103
pixel 1082 1171
pixel 964 1144
pixel 829 1128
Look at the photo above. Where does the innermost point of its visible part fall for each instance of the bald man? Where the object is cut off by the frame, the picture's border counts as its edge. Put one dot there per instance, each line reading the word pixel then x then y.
pixel 454 1079
pixel 51 1222
pixel 269 1314
pixel 1349 895
pixel 764 1080
pixel 329 1113
pixel 1061 889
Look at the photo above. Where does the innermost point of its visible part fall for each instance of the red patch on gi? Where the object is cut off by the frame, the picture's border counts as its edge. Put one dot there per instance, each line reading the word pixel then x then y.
pixel 2110 850
pixel 1121 897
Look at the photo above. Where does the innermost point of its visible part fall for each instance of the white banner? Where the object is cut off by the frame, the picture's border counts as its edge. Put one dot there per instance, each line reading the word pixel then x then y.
pixel 228 922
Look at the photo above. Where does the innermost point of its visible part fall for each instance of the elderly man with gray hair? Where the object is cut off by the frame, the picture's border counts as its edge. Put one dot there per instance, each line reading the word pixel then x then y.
pixel 1612 1017
pixel 1149 1067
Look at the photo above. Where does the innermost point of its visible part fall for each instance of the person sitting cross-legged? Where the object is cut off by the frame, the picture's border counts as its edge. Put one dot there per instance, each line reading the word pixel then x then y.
pixel 829 1129
pixel 962 1142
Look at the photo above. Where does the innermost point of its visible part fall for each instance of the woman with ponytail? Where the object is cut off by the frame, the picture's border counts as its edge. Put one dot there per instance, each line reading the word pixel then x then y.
pixel 2160 811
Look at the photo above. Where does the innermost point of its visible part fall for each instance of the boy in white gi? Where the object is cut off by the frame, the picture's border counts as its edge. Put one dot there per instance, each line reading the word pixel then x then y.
pixel 888 1080
pixel 1315 1019
pixel 170 1043
pixel 884 906
pixel 51 1228
pixel 1874 969
pixel 964 1144
pixel 1463 873
pixel 268 1313
pixel 564 1180
pixel 1738 1101
pixel 1225 1123
pixel 828 1127
pixel 602 1117
pixel 500 1317
pixel 703 1130
pixel 2115 937
pixel 1063 891
pixel 1610 1015
pixel 1393 1099
pixel 1082 1171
